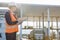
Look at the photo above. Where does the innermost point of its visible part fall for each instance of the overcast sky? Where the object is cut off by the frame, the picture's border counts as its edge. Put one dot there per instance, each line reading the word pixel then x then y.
pixel 43 2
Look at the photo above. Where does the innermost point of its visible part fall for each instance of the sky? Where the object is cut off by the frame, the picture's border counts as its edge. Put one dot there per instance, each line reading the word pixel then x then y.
pixel 43 2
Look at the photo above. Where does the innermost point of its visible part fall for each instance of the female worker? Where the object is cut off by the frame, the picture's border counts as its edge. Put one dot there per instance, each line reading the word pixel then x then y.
pixel 12 22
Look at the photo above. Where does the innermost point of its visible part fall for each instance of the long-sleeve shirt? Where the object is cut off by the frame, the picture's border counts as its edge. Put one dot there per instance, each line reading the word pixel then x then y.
pixel 8 19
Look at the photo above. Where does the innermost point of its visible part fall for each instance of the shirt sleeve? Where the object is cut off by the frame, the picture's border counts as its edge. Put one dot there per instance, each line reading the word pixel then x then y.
pixel 8 19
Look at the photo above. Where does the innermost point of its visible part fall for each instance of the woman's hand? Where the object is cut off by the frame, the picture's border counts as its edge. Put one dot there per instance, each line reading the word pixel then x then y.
pixel 20 20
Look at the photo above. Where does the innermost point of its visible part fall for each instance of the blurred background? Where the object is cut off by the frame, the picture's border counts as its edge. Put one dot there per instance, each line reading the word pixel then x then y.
pixel 43 19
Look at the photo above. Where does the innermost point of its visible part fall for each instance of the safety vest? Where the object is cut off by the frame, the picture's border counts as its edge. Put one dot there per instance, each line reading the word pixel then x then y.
pixel 11 28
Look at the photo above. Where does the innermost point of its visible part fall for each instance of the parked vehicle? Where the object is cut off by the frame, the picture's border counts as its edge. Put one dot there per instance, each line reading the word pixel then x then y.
pixel 38 34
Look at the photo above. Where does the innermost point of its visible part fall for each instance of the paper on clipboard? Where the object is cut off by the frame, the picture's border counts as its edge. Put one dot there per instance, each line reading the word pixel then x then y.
pixel 20 20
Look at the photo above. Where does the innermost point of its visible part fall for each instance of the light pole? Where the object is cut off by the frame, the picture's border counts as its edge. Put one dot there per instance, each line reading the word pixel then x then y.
pixel 48 11
pixel 21 12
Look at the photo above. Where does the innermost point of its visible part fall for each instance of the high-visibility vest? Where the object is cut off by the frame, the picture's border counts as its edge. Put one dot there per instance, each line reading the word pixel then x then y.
pixel 11 28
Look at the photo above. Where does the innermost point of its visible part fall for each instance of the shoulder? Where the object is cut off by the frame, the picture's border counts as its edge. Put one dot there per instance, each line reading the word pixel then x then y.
pixel 7 13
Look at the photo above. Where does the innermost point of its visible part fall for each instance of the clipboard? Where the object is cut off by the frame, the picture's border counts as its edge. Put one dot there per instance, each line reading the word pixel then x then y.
pixel 20 20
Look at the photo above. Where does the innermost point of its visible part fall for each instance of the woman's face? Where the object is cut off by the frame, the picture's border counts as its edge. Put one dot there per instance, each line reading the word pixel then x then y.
pixel 13 9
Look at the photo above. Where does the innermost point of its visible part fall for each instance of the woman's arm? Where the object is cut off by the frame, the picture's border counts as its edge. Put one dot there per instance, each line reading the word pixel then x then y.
pixel 8 19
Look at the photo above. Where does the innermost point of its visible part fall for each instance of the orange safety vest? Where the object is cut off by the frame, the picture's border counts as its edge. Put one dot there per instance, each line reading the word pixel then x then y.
pixel 11 28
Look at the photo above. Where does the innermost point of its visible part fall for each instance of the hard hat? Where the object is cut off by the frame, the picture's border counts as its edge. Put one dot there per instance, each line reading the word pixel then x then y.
pixel 12 4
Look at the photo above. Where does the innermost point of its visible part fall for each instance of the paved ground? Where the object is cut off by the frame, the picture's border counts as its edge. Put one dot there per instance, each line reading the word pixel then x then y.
pixel 25 39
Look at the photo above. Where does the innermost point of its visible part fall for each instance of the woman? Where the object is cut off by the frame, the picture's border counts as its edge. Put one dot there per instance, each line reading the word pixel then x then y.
pixel 12 22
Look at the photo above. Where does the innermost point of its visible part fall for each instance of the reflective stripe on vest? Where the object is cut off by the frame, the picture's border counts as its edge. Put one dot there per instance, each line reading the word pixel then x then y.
pixel 11 28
